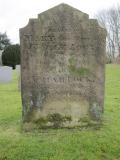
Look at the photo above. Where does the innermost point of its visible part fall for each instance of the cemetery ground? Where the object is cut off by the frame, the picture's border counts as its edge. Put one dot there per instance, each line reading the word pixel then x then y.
pixel 61 144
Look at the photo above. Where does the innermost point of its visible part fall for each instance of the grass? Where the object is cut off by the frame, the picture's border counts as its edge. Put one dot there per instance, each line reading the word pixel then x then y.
pixel 60 144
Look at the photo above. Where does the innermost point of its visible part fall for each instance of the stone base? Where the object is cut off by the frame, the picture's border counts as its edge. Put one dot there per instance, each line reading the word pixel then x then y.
pixel 70 113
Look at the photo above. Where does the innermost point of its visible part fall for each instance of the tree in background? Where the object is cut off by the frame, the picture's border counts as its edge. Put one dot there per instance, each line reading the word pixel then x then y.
pixel 11 56
pixel 110 19
pixel 4 41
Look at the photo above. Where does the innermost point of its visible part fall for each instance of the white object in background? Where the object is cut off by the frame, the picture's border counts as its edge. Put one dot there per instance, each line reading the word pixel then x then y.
pixel 5 74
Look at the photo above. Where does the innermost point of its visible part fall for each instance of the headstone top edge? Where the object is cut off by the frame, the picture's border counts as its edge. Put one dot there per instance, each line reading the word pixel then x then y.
pixel 33 20
pixel 64 5
pixel 95 22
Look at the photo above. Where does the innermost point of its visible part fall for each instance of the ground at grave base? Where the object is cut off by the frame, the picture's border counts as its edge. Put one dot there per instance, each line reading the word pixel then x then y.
pixel 60 144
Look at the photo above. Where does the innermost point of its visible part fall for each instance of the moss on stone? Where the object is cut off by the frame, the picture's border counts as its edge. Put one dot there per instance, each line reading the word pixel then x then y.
pixel 57 119
pixel 41 120
pixel 54 120
pixel 80 71
pixel 71 61
pixel 84 119
pixel 87 122
pixel 67 118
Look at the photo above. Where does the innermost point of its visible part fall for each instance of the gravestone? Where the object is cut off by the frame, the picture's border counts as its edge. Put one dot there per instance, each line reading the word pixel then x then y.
pixel 0 58
pixel 62 67
pixel 5 74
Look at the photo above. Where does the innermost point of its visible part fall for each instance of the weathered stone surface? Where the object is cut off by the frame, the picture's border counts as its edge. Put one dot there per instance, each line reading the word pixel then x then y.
pixel 1 58
pixel 62 66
